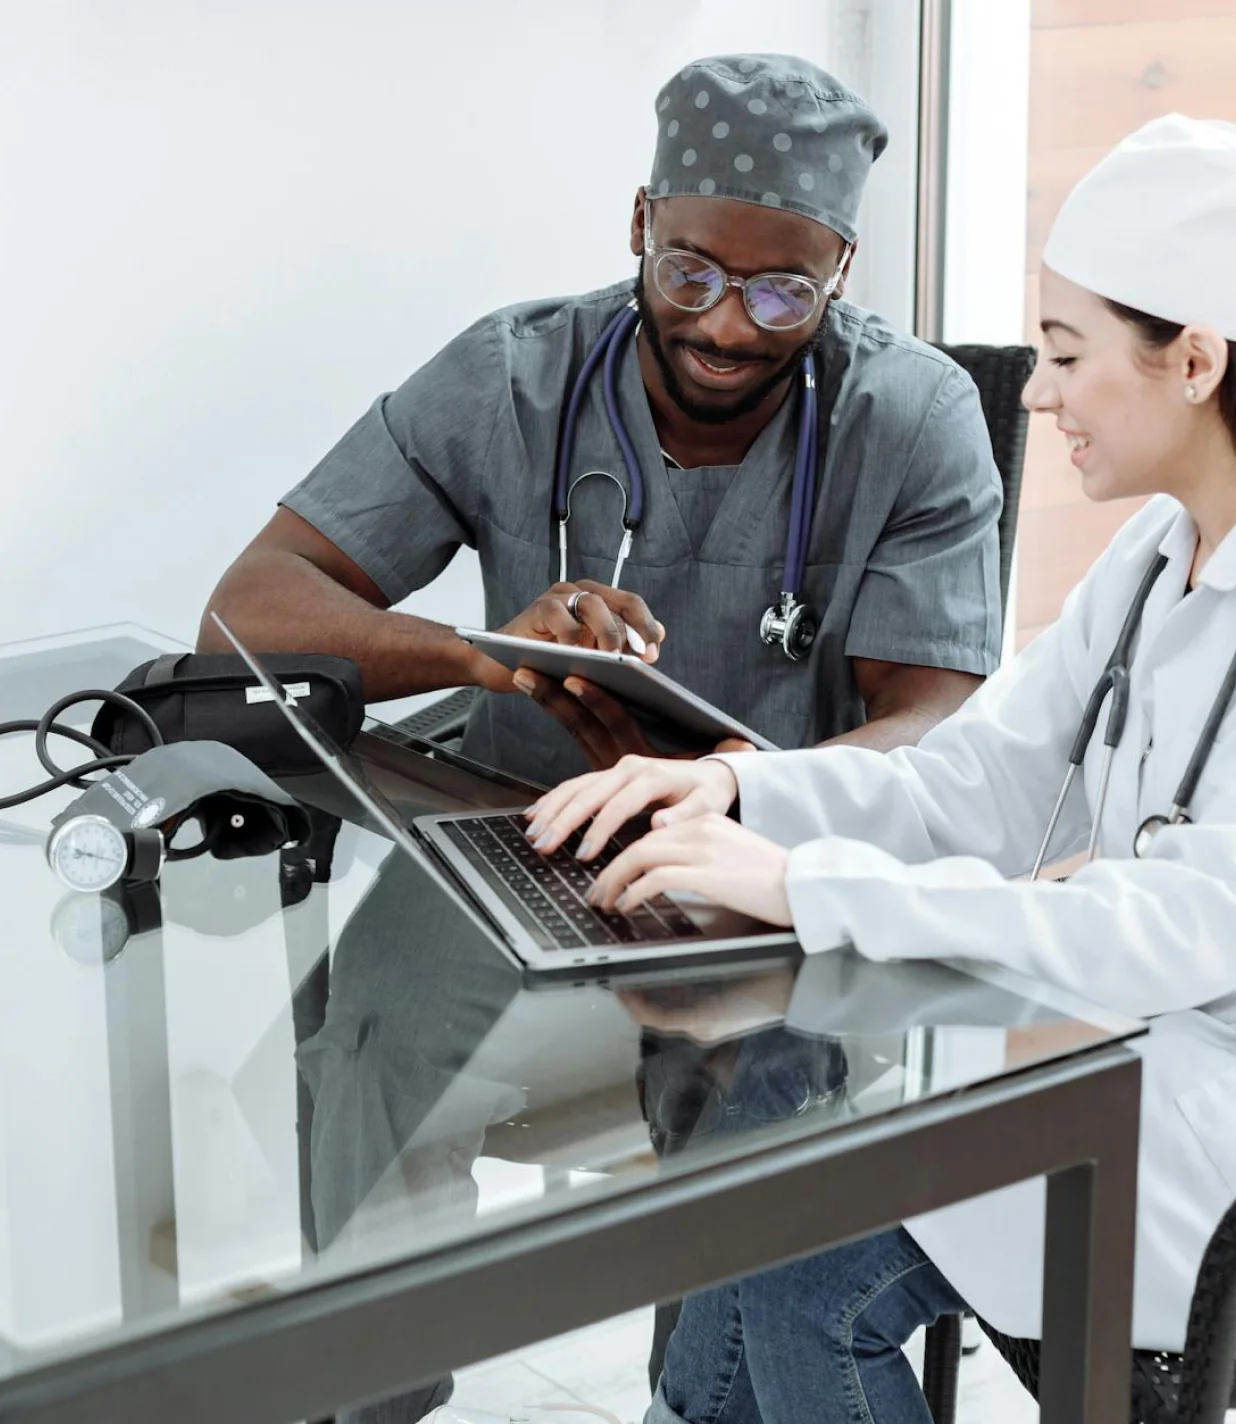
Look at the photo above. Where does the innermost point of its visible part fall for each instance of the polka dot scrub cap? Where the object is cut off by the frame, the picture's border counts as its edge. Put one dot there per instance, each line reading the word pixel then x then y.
pixel 768 129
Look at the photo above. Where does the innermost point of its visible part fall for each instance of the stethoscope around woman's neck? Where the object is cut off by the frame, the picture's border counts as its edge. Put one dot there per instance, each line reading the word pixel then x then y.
pixel 787 623
pixel 1115 680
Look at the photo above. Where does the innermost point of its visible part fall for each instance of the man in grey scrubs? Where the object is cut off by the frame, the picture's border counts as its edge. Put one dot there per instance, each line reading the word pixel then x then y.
pixel 745 234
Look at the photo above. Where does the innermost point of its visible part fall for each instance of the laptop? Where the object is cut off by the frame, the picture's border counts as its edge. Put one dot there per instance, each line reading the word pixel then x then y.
pixel 535 905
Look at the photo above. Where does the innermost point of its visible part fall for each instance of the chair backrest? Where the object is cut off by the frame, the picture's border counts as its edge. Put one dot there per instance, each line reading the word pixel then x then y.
pixel 1194 1388
pixel 1001 373
pixel 1208 1374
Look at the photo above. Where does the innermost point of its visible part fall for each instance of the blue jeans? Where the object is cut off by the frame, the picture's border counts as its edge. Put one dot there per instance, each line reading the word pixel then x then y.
pixel 816 1340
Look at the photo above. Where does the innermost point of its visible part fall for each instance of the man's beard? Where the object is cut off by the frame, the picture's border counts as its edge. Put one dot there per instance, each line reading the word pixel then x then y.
pixel 708 413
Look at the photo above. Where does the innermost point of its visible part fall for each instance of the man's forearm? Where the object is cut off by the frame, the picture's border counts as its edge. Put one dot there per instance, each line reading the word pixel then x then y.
pixel 895 729
pixel 279 602
pixel 904 705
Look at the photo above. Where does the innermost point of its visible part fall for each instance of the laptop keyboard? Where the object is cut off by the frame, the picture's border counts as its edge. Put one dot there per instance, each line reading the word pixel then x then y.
pixel 550 889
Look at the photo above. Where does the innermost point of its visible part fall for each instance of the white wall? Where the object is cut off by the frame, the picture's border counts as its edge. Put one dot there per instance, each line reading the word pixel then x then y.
pixel 988 161
pixel 988 156
pixel 224 227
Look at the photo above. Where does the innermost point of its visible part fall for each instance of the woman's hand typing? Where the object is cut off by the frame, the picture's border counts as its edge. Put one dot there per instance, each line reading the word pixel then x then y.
pixel 609 799
pixel 709 855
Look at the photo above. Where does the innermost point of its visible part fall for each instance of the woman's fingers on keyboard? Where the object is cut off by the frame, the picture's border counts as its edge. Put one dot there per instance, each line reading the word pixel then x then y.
pixel 551 813
pixel 574 803
pixel 550 828
pixel 611 818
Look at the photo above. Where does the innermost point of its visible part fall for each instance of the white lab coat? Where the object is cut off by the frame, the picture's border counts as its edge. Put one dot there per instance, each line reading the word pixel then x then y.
pixel 912 855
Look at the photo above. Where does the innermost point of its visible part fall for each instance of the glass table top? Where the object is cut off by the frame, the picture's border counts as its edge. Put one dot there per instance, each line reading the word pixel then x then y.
pixel 297 1066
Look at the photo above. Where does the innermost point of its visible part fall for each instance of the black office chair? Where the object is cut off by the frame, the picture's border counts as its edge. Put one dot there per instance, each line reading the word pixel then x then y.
pixel 1193 1388
pixel 999 372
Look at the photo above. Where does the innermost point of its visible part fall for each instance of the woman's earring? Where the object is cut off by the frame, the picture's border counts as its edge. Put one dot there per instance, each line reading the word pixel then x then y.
pixel 1190 393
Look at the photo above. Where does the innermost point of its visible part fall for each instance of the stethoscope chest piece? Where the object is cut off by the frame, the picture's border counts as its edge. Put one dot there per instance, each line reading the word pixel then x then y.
pixel 1146 833
pixel 791 626
pixel 1151 827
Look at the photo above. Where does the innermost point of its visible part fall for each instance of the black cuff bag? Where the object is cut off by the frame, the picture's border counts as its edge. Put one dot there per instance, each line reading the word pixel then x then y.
pixel 214 697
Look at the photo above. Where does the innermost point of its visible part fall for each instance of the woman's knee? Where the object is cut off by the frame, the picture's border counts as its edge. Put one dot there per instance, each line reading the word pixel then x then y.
pixel 876 1290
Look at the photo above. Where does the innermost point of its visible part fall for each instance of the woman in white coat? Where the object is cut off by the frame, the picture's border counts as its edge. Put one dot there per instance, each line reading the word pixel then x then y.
pixel 925 852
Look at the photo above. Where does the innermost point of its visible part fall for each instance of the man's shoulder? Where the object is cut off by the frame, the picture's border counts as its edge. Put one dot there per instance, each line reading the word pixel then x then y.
pixel 899 403
pixel 527 346
pixel 556 319
pixel 895 394
pixel 878 351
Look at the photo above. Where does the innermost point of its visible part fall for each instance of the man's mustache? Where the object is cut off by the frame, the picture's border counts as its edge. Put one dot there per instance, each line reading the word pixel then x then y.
pixel 718 353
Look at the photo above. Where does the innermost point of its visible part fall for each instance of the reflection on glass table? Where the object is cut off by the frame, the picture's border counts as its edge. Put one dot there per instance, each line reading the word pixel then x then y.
pixel 281 1071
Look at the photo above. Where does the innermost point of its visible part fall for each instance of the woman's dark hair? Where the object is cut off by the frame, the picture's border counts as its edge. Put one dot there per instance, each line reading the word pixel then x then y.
pixel 1157 333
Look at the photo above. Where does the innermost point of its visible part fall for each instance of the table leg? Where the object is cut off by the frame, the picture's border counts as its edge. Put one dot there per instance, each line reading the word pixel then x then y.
pixel 1088 1268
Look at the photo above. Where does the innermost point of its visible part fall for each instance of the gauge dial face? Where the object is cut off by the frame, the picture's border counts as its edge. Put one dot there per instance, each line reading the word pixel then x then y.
pixel 88 853
pixel 92 929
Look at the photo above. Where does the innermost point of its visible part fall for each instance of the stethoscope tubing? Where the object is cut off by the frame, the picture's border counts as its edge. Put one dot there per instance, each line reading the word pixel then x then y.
pixel 1205 743
pixel 606 353
pixel 634 515
pixel 77 776
pixel 1115 681
pixel 595 357
pixel 1115 676
pixel 802 495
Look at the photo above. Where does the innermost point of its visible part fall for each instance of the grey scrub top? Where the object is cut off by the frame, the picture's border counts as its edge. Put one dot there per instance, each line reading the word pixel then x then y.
pixel 902 564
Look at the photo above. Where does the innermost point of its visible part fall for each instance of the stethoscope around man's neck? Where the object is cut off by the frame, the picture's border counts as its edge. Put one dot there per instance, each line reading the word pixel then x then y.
pixel 1115 680
pixel 789 624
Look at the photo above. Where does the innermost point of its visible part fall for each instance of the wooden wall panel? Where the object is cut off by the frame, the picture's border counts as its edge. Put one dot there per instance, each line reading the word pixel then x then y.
pixel 1093 85
pixel 1050 479
pixel 1052 175
pixel 1099 69
pixel 1059 543
pixel 1049 14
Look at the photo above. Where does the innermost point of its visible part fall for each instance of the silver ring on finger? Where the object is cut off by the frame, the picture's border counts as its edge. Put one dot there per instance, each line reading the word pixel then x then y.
pixel 573 604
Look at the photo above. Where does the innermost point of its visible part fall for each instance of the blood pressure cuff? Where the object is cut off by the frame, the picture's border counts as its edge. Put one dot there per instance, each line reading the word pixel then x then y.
pixel 214 697
pixel 242 811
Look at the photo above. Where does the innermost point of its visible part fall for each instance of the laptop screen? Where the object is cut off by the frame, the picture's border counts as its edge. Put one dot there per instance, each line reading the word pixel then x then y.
pixel 332 757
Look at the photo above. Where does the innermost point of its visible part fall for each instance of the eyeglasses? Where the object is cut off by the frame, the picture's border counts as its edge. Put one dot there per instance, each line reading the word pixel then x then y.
pixel 775 301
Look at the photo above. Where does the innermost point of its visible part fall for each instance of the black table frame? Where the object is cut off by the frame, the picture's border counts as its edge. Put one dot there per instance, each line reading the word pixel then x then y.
pixel 376 1333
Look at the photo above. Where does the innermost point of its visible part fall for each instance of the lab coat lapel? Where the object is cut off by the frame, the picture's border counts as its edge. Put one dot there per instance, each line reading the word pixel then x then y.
pixel 1185 655
pixel 1135 768
pixel 1220 571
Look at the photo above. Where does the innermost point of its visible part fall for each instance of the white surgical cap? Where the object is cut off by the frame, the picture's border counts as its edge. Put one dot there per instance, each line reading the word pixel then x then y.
pixel 1154 225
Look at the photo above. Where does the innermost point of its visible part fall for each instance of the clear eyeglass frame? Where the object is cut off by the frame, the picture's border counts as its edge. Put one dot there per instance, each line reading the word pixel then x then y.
pixel 819 290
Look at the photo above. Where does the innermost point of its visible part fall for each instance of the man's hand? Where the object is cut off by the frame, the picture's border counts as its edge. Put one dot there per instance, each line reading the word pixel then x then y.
pixel 604 729
pixel 597 622
pixel 609 799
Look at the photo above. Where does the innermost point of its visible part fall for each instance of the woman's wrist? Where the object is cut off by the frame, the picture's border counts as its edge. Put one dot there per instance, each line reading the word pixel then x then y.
pixel 727 786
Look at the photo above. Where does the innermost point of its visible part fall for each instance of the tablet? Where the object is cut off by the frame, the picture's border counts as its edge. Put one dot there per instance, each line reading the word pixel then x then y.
pixel 673 718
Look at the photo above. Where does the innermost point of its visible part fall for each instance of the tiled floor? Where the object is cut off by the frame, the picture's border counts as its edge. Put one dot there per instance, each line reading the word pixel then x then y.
pixel 606 1365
